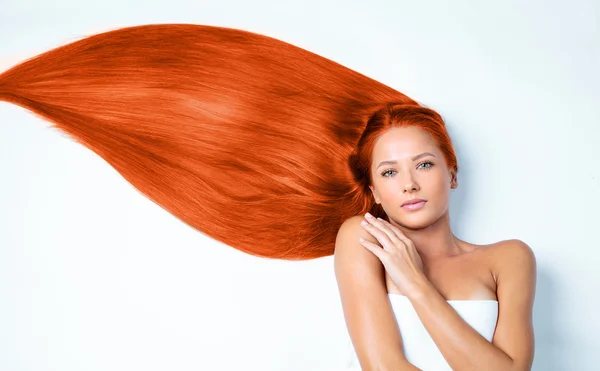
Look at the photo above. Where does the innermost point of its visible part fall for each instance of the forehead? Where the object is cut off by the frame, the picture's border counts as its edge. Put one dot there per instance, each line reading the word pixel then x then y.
pixel 404 142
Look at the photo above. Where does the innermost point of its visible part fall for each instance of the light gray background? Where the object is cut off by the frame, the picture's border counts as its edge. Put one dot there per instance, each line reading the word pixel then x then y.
pixel 93 276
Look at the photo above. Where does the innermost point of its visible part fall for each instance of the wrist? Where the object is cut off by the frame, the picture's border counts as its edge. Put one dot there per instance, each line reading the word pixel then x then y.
pixel 419 287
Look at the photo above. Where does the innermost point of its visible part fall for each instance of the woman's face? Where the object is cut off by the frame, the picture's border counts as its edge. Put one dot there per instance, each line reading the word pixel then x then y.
pixel 413 167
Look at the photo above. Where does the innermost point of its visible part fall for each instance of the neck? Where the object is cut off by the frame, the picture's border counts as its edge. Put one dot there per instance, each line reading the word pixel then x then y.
pixel 434 242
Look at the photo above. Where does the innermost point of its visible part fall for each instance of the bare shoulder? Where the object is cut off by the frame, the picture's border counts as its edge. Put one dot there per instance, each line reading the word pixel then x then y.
pixel 507 257
pixel 517 258
pixel 515 264
pixel 351 229
pixel 367 311
pixel 510 251
pixel 356 268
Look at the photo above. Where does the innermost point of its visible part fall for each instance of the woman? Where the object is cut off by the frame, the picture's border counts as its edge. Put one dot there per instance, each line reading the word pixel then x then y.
pixel 234 132
pixel 457 305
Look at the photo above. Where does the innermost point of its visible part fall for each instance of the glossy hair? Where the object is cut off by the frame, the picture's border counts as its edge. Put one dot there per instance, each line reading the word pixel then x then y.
pixel 257 143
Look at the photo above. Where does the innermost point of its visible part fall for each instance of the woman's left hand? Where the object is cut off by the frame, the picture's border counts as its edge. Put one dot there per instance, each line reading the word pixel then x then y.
pixel 398 255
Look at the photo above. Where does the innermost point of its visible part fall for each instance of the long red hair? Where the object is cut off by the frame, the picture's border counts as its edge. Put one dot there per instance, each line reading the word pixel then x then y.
pixel 257 143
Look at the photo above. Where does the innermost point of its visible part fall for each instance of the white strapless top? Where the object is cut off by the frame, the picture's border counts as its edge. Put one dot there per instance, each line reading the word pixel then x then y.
pixel 419 347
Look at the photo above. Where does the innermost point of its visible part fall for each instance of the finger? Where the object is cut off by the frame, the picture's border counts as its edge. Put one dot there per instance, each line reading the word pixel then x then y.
pixel 375 249
pixel 382 225
pixel 397 232
pixel 381 236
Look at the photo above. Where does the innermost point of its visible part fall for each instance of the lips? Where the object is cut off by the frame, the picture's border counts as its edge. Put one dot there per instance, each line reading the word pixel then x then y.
pixel 414 204
pixel 413 201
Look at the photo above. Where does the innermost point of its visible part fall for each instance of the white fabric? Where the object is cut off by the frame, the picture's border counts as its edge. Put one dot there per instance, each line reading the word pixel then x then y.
pixel 419 347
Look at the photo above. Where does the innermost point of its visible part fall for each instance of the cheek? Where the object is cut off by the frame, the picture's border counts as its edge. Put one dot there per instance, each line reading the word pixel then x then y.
pixel 442 189
pixel 442 193
pixel 436 188
pixel 390 191
pixel 442 184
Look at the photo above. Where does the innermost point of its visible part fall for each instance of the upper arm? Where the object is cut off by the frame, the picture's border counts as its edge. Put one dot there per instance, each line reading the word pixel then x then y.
pixel 516 282
pixel 367 310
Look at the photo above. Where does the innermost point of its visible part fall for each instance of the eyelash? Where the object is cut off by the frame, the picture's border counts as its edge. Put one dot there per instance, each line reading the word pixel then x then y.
pixel 422 163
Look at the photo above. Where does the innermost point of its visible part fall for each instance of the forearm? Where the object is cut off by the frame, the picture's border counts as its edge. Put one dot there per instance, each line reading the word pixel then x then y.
pixel 462 346
pixel 405 366
pixel 410 367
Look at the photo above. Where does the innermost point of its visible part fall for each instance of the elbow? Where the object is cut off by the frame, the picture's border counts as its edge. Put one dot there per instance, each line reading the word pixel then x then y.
pixel 519 366
pixel 390 366
pixel 403 365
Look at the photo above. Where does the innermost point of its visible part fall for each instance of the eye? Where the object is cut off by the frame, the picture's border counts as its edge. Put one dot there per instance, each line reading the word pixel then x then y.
pixel 427 163
pixel 387 172
pixel 428 166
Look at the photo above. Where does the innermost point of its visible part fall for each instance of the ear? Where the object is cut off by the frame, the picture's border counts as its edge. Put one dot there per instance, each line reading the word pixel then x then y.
pixel 375 195
pixel 453 179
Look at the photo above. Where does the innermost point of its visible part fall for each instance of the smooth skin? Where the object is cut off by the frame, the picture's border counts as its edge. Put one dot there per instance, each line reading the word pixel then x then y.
pixel 418 256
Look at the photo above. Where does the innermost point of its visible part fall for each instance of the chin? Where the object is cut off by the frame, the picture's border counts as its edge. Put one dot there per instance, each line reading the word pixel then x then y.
pixel 416 220
pixel 415 226
pixel 413 222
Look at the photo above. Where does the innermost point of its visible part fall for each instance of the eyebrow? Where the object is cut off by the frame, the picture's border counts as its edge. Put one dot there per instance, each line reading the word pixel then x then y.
pixel 415 158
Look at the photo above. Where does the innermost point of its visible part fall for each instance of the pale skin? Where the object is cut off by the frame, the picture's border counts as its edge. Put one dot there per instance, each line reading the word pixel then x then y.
pixel 416 254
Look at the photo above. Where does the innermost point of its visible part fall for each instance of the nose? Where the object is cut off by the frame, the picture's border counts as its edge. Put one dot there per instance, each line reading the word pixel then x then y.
pixel 411 187
pixel 410 184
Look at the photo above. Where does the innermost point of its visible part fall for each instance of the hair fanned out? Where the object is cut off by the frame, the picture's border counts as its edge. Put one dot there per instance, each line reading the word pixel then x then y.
pixel 244 137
